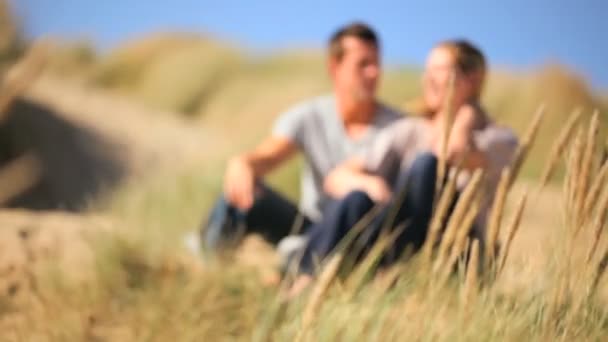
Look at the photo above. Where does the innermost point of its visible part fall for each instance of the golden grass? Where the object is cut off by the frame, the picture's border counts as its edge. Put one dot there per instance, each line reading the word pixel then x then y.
pixel 471 284
pixel 496 212
pixel 439 216
pixel 138 296
pixel 599 272
pixel 455 240
pixel 319 291
pixel 460 242
pixel 21 75
pixel 559 146
pixel 599 224
pixel 448 121
pixel 526 143
pixel 146 291
pixel 596 188
pixel 587 163
pixel 512 230
pixel 458 215
pixel 18 176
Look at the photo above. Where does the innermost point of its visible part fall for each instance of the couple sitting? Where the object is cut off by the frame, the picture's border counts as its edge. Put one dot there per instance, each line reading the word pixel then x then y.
pixel 359 152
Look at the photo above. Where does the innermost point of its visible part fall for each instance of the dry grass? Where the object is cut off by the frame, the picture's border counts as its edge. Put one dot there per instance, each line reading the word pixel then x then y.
pixel 494 222
pixel 558 148
pixel 18 176
pixel 526 143
pixel 318 294
pixel 563 304
pixel 438 220
pixel 471 284
pixel 147 290
pixel 454 225
pixel 512 230
pixel 551 284
pixel 21 75
pixel 448 121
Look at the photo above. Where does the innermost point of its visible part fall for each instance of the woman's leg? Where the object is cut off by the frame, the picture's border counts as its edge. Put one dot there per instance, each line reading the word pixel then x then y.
pixel 417 191
pixel 337 222
pixel 415 211
pixel 414 214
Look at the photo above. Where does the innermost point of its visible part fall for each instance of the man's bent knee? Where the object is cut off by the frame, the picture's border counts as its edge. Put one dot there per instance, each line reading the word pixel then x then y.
pixel 223 227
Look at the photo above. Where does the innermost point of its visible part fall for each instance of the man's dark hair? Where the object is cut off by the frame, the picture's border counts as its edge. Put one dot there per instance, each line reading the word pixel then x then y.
pixel 356 29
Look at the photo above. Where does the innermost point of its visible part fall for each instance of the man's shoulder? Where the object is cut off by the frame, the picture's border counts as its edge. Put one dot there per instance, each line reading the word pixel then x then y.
pixel 321 107
pixel 311 108
pixel 319 102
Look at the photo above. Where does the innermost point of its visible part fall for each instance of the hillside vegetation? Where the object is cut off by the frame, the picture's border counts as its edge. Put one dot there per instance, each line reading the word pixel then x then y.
pixel 221 84
pixel 173 107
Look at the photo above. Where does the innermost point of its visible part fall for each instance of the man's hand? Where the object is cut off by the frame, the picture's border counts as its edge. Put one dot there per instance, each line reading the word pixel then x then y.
pixel 243 170
pixel 239 183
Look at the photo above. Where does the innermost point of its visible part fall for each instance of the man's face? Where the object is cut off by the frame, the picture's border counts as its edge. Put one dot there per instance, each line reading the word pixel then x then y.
pixel 356 75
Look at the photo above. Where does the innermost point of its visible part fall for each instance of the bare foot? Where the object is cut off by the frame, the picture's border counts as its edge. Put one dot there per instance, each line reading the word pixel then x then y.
pixel 301 283
pixel 271 279
pixel 386 278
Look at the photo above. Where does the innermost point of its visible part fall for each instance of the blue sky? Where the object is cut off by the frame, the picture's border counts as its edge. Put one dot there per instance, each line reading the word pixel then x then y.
pixel 515 34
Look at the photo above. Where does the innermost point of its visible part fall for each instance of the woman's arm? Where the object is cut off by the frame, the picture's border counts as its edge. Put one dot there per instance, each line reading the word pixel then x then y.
pixel 461 148
pixel 351 176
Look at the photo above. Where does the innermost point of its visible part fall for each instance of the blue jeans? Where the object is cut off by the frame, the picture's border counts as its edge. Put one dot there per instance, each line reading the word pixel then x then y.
pixel 418 189
pixel 272 216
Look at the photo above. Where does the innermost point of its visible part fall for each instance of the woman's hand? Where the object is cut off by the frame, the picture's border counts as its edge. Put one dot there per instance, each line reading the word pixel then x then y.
pixel 377 189
pixel 351 176
pixel 461 137
pixel 461 147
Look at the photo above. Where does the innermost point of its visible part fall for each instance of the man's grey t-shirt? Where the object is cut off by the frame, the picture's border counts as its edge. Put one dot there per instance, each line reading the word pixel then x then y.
pixel 316 127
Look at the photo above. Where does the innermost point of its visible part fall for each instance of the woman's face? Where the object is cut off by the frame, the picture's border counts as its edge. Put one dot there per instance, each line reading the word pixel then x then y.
pixel 435 80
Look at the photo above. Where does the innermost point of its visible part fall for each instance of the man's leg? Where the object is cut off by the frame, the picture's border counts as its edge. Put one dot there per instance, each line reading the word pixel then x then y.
pixel 271 216
pixel 274 217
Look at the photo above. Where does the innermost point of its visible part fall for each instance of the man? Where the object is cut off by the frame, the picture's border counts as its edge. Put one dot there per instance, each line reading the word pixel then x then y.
pixel 327 130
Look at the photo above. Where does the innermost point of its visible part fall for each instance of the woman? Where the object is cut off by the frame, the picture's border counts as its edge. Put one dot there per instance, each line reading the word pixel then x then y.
pixel 405 159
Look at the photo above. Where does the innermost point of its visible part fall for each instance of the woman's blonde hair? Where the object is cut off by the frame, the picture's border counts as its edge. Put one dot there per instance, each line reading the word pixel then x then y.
pixel 469 61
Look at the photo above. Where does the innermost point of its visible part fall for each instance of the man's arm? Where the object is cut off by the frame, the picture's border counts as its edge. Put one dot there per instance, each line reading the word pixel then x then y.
pixel 350 176
pixel 244 169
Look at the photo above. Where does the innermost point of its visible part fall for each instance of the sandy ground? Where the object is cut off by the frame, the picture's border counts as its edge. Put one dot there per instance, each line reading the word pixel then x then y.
pixel 146 142
pixel 147 138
